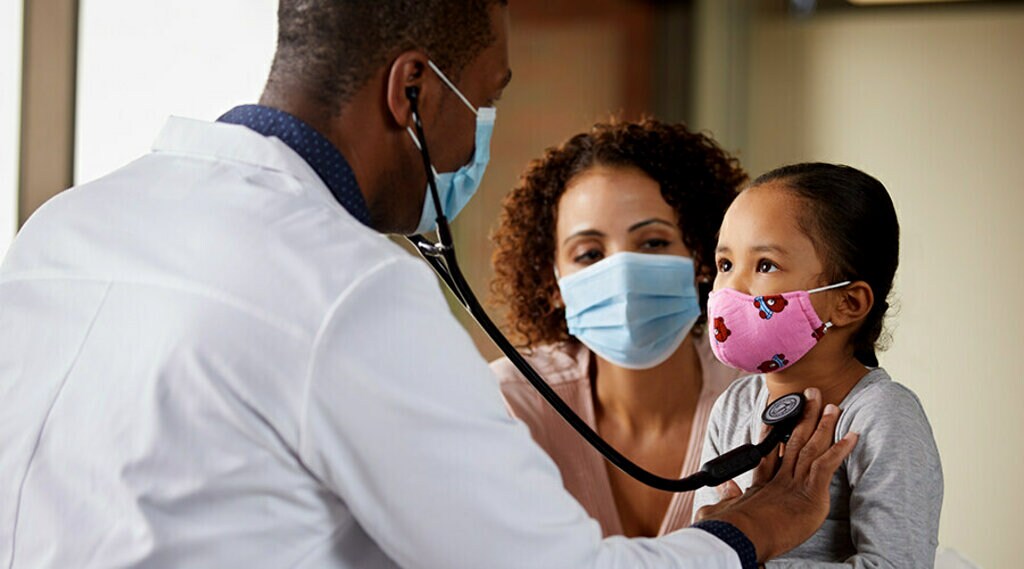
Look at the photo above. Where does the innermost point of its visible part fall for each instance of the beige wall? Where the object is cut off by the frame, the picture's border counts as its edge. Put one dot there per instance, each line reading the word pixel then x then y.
pixel 572 63
pixel 47 102
pixel 930 102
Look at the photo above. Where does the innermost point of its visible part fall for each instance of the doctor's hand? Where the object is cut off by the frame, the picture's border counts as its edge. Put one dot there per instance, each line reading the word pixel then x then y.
pixel 789 498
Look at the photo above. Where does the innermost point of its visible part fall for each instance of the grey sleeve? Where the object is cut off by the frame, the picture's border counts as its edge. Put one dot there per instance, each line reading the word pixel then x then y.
pixel 895 481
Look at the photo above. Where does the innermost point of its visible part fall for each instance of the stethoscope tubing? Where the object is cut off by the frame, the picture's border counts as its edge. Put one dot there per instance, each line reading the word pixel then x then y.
pixel 441 257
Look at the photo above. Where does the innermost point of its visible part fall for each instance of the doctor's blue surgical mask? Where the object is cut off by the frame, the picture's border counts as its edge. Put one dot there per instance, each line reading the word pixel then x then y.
pixel 456 188
pixel 632 309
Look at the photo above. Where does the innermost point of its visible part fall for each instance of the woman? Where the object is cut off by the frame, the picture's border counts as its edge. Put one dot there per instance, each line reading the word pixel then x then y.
pixel 600 253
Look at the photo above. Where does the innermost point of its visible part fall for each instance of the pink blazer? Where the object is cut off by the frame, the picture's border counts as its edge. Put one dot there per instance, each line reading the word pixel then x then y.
pixel 566 367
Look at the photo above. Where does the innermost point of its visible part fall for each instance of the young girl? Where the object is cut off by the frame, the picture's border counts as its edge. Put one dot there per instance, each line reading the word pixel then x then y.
pixel 806 259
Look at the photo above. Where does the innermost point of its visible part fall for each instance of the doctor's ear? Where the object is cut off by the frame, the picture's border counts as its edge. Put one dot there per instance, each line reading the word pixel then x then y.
pixel 405 78
pixel 853 303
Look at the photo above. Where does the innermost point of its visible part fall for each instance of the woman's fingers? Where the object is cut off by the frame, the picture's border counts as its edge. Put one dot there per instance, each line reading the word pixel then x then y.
pixel 804 429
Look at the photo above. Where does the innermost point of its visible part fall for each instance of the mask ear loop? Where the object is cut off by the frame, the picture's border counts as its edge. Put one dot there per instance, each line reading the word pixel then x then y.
pixel 830 287
pixel 826 326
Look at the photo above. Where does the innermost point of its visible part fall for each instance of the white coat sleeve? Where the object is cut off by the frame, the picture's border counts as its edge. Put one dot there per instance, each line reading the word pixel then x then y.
pixel 404 422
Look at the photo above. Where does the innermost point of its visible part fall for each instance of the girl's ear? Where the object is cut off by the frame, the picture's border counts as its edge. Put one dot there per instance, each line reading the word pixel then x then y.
pixel 853 303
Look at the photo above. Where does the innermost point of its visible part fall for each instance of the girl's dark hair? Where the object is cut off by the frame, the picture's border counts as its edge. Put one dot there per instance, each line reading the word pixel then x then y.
pixel 852 222
pixel 697 178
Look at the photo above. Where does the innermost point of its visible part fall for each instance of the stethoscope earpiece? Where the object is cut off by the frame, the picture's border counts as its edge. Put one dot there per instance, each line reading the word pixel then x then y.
pixel 412 93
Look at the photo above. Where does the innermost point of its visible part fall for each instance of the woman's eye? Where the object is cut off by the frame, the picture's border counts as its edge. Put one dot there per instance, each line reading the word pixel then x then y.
pixel 655 244
pixel 724 265
pixel 591 256
pixel 765 266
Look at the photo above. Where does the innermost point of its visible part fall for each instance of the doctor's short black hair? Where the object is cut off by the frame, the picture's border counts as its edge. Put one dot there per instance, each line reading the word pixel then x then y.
pixel 697 178
pixel 333 47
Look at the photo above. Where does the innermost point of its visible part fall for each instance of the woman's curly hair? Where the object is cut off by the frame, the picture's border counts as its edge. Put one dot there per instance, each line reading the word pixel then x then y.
pixel 697 178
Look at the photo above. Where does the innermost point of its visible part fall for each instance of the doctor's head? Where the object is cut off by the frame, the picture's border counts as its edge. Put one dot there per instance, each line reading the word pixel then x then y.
pixel 646 187
pixel 344 67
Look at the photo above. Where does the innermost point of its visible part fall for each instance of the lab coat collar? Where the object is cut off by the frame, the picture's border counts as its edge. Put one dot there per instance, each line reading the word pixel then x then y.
pixel 237 143
pixel 319 152
pixel 230 142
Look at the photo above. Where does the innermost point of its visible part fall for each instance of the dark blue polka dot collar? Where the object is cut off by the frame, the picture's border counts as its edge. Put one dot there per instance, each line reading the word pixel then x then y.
pixel 312 146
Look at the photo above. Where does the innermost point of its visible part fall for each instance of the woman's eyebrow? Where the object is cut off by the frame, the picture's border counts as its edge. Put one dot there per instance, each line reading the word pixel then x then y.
pixel 647 222
pixel 584 233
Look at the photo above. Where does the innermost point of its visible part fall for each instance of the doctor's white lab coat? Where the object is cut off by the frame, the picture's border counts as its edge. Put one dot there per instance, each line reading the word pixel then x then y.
pixel 206 362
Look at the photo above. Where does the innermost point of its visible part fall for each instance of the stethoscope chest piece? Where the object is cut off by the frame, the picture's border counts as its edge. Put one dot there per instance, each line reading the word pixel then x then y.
pixel 785 408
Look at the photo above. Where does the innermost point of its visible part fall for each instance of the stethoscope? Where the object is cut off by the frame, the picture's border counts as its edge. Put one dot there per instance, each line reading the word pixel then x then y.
pixel 782 415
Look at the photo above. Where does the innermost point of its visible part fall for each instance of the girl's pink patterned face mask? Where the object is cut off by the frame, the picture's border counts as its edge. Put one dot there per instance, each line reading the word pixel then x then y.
pixel 762 334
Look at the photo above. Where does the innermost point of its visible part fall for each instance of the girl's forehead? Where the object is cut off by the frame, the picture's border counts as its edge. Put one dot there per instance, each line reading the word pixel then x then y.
pixel 766 214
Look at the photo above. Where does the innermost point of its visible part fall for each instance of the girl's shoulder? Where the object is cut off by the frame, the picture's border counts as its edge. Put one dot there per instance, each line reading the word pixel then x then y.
pixel 878 394
pixel 879 404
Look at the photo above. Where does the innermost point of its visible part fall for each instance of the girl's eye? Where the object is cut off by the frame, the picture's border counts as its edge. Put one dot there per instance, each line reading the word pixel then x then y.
pixel 588 257
pixel 655 244
pixel 724 265
pixel 766 266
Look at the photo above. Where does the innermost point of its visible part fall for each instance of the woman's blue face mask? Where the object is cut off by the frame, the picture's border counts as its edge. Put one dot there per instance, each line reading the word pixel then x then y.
pixel 456 188
pixel 632 309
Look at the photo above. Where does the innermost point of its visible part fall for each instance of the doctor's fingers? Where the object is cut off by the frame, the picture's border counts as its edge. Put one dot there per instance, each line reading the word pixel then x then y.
pixel 729 493
pixel 822 468
pixel 819 444
pixel 803 432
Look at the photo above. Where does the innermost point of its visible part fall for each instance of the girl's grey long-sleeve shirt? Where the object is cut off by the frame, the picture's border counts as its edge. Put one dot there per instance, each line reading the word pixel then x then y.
pixel 886 496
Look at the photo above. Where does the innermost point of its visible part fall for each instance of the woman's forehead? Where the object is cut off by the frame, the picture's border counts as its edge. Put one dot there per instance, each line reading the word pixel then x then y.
pixel 611 196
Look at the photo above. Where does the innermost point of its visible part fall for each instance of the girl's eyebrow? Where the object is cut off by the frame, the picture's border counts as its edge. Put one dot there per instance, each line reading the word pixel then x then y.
pixel 771 248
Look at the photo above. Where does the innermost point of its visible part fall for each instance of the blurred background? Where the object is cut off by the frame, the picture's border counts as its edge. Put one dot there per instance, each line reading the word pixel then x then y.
pixel 926 96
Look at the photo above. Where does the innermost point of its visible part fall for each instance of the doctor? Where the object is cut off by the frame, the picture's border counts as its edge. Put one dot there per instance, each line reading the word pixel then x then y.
pixel 213 358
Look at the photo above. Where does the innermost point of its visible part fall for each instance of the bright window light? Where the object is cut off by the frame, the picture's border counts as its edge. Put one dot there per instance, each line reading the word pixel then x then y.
pixel 140 61
pixel 10 118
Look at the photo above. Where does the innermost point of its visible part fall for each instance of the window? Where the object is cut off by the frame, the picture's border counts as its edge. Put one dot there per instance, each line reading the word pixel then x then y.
pixel 140 61
pixel 10 118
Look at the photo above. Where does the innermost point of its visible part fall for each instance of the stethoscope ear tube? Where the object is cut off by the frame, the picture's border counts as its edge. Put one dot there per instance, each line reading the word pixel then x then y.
pixel 441 257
